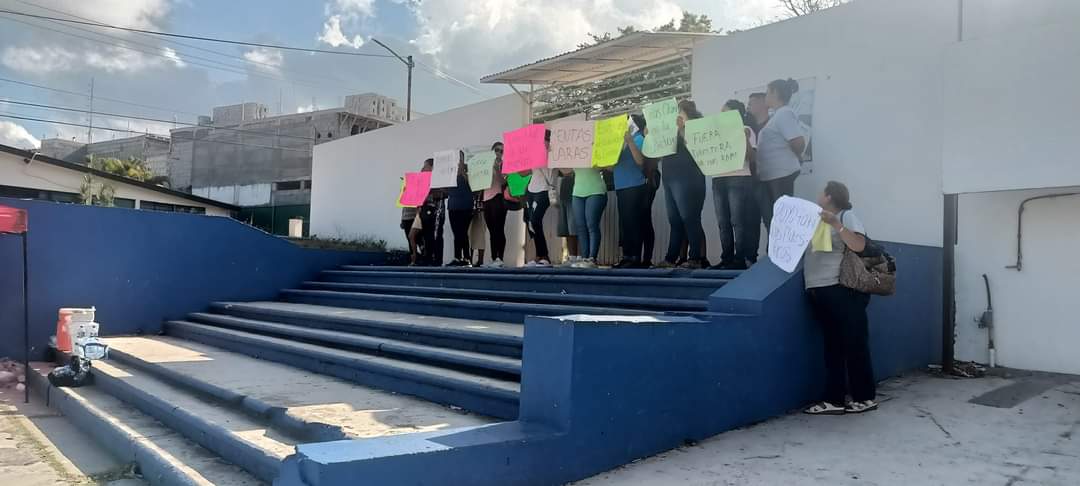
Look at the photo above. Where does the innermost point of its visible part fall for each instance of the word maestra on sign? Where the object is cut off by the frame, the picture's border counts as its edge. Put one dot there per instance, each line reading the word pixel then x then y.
pixel 445 171
pixel 663 130
pixel 793 225
pixel 417 187
pixel 610 135
pixel 524 149
pixel 480 167
pixel 571 145
pixel 718 143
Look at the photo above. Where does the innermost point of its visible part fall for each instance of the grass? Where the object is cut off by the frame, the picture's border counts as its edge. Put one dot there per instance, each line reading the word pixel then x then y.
pixel 359 243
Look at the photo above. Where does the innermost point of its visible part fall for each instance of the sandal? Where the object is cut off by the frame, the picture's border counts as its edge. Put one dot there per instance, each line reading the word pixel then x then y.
pixel 860 407
pixel 824 408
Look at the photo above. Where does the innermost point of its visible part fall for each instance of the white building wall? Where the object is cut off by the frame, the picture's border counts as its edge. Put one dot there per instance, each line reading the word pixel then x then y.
pixel 356 179
pixel 39 175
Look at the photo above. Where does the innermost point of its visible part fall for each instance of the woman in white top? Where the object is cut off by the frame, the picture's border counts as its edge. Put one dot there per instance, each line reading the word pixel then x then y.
pixel 841 311
pixel 537 201
pixel 780 147
pixel 732 192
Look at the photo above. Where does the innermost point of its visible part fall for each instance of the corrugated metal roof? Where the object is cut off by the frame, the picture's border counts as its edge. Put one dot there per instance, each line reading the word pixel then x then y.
pixel 626 53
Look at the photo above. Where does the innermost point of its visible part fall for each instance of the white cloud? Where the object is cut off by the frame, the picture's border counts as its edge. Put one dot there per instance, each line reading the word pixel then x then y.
pixel 56 59
pixel 483 37
pixel 14 135
pixel 333 35
pixel 267 58
pixel 351 8
pixel 143 14
pixel 38 60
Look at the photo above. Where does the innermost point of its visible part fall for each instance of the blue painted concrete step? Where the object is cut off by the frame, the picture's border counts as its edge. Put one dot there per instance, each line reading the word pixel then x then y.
pixel 463 308
pixel 480 394
pixel 509 368
pixel 489 337
pixel 618 285
pixel 644 303
pixel 655 272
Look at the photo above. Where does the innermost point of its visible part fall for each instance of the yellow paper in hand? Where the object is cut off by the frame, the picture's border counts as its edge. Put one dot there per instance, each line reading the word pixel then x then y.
pixel 822 239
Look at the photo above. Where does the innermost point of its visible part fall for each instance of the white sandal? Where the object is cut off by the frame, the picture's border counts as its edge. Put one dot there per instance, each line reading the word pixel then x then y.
pixel 860 407
pixel 824 408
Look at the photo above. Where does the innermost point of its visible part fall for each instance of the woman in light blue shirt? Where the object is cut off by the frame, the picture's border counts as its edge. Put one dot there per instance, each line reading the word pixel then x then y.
pixel 780 147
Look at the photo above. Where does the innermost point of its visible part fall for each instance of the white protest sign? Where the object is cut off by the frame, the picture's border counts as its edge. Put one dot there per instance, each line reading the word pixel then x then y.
pixel 793 224
pixel 444 172
pixel 571 145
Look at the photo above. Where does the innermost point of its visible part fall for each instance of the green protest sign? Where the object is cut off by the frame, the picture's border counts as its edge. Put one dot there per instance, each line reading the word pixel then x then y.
pixel 717 142
pixel 663 130
pixel 518 183
pixel 480 166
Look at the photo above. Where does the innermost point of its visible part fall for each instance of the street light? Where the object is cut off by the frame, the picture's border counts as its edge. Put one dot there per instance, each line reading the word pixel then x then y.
pixel 408 64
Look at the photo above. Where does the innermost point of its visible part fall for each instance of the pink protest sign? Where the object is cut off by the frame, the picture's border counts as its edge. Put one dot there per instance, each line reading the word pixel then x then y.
pixel 524 149
pixel 417 187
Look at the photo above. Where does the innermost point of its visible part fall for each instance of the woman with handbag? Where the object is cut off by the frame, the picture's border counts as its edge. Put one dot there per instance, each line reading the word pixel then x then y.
pixel 841 310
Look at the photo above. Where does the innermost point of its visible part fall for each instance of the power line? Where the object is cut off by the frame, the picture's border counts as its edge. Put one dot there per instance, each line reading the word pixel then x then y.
pixel 195 37
pixel 96 97
pixel 141 118
pixel 121 130
pixel 174 42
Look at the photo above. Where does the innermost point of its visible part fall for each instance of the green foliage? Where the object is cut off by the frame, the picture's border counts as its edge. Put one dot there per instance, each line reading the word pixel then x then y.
pixel 358 243
pixel 131 168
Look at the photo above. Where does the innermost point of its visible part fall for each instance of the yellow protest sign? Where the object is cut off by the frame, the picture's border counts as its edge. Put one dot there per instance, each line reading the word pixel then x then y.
pixel 608 141
pixel 717 142
pixel 822 239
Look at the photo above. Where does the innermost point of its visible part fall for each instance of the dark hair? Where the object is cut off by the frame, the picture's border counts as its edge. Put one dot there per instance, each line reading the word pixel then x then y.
pixel 690 108
pixel 756 95
pixel 639 121
pixel 547 135
pixel 739 107
pixel 839 195
pixel 496 144
pixel 784 88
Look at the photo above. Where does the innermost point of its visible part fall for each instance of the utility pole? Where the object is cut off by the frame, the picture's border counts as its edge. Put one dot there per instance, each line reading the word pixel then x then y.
pixel 90 126
pixel 409 64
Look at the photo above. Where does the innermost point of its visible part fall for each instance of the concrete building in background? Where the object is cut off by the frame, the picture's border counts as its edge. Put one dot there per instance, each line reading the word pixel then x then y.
pixel 263 163
pixel 152 149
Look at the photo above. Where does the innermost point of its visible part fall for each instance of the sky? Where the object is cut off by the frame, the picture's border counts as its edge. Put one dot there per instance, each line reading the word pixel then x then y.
pixel 178 79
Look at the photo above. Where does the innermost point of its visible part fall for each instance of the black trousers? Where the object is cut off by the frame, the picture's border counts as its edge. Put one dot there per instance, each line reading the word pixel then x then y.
pixel 845 328
pixel 495 219
pixel 633 203
pixel 429 216
pixel 537 204
pixel 459 224
pixel 770 191
pixel 648 233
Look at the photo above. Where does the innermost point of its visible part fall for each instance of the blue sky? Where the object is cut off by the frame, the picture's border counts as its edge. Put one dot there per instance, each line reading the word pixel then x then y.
pixel 466 39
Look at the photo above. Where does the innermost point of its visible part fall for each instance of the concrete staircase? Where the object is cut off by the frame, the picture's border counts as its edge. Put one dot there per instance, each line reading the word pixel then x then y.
pixel 360 352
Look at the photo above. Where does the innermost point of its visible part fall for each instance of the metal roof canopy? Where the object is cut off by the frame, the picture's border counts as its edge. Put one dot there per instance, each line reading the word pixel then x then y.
pixel 617 56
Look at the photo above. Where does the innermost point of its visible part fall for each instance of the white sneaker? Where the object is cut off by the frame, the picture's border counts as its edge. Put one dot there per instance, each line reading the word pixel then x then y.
pixel 541 263
pixel 497 264
pixel 532 264
pixel 587 263
pixel 569 262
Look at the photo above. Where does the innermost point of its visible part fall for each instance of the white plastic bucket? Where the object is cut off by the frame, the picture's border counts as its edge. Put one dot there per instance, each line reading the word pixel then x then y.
pixel 84 330
pixel 78 314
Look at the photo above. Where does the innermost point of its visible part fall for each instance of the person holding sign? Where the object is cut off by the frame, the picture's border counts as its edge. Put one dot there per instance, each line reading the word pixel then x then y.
pixel 495 208
pixel 459 204
pixel 684 196
pixel 538 200
pixel 780 147
pixel 841 311
pixel 632 192
pixel 732 192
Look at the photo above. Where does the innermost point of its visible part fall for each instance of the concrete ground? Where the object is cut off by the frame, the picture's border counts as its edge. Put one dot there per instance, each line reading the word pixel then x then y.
pixel 1013 429
pixel 40 448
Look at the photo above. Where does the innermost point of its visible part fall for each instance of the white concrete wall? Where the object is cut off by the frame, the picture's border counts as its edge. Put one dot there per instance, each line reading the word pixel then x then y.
pixel 1037 312
pixel 356 179
pixel 39 175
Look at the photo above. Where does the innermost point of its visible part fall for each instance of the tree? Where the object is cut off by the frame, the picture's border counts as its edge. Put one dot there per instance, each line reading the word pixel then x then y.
pixel 796 8
pixel 626 91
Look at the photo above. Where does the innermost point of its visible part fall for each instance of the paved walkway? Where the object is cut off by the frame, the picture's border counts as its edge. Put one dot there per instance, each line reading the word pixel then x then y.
pixel 1023 430
pixel 40 448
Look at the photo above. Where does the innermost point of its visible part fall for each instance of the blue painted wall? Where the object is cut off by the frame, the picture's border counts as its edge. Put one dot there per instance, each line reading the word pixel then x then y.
pixel 598 392
pixel 141 267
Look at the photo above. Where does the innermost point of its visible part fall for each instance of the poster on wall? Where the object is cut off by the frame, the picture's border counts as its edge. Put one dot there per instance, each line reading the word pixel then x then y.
pixel 802 103
pixel 445 171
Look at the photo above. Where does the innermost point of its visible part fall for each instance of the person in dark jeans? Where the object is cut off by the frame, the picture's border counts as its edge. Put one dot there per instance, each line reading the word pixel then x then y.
pixel 758 113
pixel 780 147
pixel 537 202
pixel 495 209
pixel 684 195
pixel 841 311
pixel 460 206
pixel 632 194
pixel 732 192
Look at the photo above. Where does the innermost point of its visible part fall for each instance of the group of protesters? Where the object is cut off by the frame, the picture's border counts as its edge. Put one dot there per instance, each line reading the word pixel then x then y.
pixel 743 199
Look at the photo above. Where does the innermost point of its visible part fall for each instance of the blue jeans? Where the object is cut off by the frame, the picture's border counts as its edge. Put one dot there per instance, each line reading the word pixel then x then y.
pixel 731 196
pixel 685 198
pixel 587 214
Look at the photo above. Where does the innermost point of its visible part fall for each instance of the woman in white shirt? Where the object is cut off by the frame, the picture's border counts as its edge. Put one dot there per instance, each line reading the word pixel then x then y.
pixel 780 147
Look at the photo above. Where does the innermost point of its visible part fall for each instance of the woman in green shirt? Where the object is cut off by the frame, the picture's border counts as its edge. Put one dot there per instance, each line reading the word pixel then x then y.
pixel 590 200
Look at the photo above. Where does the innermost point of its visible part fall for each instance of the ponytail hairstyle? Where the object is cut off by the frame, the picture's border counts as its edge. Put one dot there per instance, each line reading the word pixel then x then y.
pixel 784 89
pixel 738 106
pixel 839 195
pixel 690 108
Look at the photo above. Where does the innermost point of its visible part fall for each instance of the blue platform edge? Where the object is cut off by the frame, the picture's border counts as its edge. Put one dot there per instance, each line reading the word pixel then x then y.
pixel 141 268
pixel 599 392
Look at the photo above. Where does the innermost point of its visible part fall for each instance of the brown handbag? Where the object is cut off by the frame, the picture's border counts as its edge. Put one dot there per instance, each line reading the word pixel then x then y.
pixel 874 274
